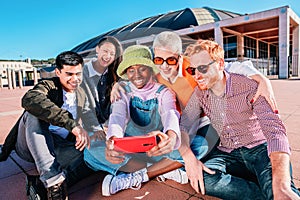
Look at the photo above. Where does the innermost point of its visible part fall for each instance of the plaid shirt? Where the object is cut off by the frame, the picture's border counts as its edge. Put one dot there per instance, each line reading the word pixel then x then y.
pixel 238 122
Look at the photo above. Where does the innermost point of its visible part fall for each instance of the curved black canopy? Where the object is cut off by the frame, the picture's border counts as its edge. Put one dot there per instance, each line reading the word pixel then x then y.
pixel 153 25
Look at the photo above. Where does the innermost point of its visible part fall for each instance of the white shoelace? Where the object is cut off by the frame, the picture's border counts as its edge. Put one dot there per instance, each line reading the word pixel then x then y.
pixel 125 181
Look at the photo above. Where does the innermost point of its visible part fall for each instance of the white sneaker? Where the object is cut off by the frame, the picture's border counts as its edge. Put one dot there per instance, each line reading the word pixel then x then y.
pixel 177 175
pixel 113 184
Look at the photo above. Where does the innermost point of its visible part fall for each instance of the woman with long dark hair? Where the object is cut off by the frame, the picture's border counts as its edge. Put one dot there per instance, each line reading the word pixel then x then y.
pixel 99 75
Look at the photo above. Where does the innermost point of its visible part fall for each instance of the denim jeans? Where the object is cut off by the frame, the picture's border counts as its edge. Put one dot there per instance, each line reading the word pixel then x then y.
pixel 53 156
pixel 95 155
pixel 231 180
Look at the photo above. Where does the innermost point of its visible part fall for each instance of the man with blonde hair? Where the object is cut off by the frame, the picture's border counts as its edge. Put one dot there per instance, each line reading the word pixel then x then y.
pixel 252 136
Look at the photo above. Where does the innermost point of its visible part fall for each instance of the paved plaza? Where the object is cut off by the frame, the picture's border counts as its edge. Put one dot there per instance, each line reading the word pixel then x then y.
pixel 12 179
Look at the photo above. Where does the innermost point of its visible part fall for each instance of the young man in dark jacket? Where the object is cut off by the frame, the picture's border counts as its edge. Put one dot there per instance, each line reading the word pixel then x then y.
pixel 48 133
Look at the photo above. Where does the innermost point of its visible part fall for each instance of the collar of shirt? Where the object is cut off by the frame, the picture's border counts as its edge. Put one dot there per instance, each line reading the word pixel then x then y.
pixel 92 71
pixel 69 98
pixel 228 82
pixel 229 89
pixel 147 87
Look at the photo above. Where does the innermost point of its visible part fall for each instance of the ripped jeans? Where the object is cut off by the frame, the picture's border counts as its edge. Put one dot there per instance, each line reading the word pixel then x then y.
pixel 232 180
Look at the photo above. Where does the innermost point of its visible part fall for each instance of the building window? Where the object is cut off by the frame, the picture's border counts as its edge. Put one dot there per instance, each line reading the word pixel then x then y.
pixel 263 49
pixel 250 47
pixel 273 69
pixel 230 47
pixel 273 50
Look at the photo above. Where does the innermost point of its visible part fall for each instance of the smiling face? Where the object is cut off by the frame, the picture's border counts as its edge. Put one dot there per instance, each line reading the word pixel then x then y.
pixel 139 75
pixel 214 73
pixel 168 71
pixel 70 77
pixel 106 54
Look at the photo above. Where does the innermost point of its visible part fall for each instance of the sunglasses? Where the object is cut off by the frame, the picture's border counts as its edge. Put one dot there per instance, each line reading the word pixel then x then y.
pixel 170 61
pixel 201 68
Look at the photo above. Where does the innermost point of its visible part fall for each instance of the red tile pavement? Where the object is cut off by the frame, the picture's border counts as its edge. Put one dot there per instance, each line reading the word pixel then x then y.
pixel 12 179
pixel 10 110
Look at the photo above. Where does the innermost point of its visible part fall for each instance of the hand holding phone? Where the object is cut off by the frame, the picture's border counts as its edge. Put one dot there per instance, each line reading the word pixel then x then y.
pixel 135 144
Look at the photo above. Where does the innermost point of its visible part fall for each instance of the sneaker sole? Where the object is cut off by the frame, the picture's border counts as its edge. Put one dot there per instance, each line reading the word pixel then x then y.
pixel 106 184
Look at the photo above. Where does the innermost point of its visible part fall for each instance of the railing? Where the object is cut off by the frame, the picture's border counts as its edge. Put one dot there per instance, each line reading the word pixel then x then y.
pixel 268 67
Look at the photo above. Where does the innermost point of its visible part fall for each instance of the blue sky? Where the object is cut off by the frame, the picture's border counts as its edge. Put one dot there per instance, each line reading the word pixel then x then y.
pixel 42 29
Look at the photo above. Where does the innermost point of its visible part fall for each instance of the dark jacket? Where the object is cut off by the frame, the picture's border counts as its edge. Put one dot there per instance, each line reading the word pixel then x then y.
pixel 44 101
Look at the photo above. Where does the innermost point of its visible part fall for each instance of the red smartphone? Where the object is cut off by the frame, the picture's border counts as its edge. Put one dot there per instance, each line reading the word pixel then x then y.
pixel 135 144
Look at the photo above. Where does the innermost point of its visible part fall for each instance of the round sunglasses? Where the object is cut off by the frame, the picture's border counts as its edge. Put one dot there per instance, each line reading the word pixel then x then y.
pixel 170 60
pixel 201 68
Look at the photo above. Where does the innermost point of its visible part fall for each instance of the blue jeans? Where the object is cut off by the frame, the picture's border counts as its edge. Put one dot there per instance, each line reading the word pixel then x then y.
pixel 95 156
pixel 232 181
pixel 52 155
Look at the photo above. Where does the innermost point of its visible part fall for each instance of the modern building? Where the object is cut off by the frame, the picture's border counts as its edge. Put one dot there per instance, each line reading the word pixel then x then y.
pixel 17 74
pixel 270 38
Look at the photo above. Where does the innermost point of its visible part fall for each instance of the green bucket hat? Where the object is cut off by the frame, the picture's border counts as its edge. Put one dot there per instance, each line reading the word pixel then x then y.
pixel 136 55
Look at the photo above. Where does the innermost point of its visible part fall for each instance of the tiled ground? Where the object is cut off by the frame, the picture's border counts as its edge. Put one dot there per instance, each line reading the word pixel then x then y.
pixel 12 179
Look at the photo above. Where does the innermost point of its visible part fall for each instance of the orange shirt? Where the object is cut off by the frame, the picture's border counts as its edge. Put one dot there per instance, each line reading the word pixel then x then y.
pixel 183 86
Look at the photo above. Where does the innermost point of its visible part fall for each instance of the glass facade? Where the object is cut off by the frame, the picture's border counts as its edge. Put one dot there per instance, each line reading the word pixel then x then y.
pixel 264 58
pixel 230 47
pixel 249 47
pixel 274 65
pixel 262 50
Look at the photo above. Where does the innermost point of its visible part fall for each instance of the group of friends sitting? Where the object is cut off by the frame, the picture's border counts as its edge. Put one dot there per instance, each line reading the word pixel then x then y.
pixel 216 124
